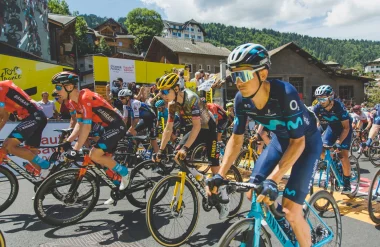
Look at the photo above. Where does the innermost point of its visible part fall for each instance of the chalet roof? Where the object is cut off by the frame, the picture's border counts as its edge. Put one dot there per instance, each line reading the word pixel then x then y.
pixel 312 60
pixel 61 20
pixel 128 36
pixel 130 54
pixel 186 46
pixel 168 24
pixel 111 20
pixel 332 63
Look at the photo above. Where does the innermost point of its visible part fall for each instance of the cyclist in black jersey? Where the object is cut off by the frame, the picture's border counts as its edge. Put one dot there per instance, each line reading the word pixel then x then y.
pixel 191 112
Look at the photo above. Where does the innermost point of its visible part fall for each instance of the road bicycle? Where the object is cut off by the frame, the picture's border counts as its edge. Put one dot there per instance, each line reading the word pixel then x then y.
pixel 330 173
pixel 374 151
pixel 359 136
pixel 79 189
pixel 248 156
pixel 173 205
pixel 8 181
pixel 2 240
pixel 374 199
pixel 325 225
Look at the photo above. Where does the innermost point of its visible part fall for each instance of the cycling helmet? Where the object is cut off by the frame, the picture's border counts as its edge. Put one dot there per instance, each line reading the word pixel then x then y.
pixel 167 81
pixel 125 93
pixel 252 55
pixel 357 108
pixel 203 100
pixel 229 104
pixel 324 90
pixel 65 77
pixel 160 103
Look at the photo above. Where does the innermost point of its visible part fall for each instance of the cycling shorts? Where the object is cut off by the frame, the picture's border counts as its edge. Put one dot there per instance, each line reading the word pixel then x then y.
pixel 222 124
pixel 330 137
pixel 303 170
pixel 30 129
pixel 112 135
pixel 209 137
pixel 149 122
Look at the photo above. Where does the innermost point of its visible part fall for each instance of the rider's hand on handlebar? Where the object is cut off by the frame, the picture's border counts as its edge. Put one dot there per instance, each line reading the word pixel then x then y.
pixel 269 192
pixel 71 154
pixel 337 147
pixel 158 156
pixel 212 184
pixel 181 154
pixel 66 146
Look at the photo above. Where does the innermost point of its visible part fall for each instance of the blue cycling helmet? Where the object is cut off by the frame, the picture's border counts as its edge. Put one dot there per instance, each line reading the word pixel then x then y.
pixel 160 103
pixel 252 55
pixel 324 90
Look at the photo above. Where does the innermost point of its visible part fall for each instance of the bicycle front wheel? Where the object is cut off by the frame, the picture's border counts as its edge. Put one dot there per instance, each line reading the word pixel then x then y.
pixel 8 188
pixel 374 199
pixel 2 240
pixel 169 225
pixel 73 205
pixel 242 233
pixel 330 216
pixel 374 153
pixel 355 147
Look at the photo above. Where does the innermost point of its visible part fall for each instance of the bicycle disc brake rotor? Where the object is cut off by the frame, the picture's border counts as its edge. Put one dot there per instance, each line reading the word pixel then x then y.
pixel 175 213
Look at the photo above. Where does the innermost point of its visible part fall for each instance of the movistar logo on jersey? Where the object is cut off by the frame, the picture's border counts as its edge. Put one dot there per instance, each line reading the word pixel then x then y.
pixel 273 124
pixel 290 192
pixel 290 125
pixel 330 119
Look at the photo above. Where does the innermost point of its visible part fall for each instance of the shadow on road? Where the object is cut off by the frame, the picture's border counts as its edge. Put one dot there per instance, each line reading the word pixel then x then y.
pixel 364 171
pixel 25 221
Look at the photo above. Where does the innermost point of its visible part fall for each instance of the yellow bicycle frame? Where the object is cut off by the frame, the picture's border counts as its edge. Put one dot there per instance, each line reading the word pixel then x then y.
pixel 181 186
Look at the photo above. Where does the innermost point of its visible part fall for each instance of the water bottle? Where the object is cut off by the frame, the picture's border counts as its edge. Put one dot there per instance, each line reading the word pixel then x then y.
pixel 284 224
pixel 198 176
pixel 148 154
pixel 116 178
pixel 30 169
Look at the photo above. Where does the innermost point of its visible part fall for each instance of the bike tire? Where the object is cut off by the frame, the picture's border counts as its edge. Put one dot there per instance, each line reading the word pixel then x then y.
pixel 374 153
pixel 14 187
pixel 355 176
pixel 333 207
pixel 243 225
pixel 355 146
pixel 374 196
pixel 149 178
pixel 236 198
pixel 2 240
pixel 153 225
pixel 199 156
pixel 45 189
pixel 242 156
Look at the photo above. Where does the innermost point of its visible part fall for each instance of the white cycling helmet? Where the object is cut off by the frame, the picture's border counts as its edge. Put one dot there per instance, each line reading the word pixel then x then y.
pixel 253 55
pixel 125 93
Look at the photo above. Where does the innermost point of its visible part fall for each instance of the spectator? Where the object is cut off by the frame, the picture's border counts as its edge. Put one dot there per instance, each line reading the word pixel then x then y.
pixel 207 76
pixel 181 80
pixel 64 111
pixel 116 87
pixel 48 106
pixel 364 107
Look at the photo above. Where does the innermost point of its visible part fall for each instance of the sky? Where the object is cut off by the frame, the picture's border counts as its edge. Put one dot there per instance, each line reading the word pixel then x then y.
pixel 342 19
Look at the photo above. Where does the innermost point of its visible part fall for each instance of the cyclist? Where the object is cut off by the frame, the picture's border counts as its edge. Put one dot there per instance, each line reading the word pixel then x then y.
pixel 141 115
pixel 296 143
pixel 91 107
pixel 162 114
pixel 191 112
pixel 33 122
pixel 375 127
pixel 361 119
pixel 220 117
pixel 339 130
pixel 230 112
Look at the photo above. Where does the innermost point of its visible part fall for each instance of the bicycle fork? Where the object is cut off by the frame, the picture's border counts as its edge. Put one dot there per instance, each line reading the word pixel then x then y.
pixel 181 187
pixel 77 181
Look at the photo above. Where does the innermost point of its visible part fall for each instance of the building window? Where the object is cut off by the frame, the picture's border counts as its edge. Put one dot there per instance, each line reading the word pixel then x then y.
pixel 377 66
pixel 192 29
pixel 297 82
pixel 82 65
pixel 275 78
pixel 217 69
pixel 186 35
pixel 90 66
pixel 208 68
pixel 346 92
pixel 179 34
pixel 200 66
pixel 190 67
pixel 193 36
pixel 199 30
pixel 199 37
pixel 174 34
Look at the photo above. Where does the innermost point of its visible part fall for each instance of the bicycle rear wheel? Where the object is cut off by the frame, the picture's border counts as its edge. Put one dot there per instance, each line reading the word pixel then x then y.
pixel 73 205
pixel 8 188
pixel 374 153
pixel 242 233
pixel 244 161
pixel 330 216
pixel 355 176
pixel 355 146
pixel 374 199
pixel 164 220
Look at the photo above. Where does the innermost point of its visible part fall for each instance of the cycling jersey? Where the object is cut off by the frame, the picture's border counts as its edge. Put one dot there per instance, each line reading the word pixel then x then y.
pixel 376 116
pixel 163 114
pixel 217 111
pixel 364 117
pixel 14 99
pixel 287 118
pixel 284 114
pixel 137 109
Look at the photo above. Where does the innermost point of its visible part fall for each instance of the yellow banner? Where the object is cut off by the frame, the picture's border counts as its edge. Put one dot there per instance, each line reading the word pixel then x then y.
pixel 33 77
pixel 191 85
pixel 209 96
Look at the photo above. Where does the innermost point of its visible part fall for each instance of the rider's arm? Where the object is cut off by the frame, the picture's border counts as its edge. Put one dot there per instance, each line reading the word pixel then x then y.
pixel 4 115
pixel 83 135
pixel 77 128
pixel 231 152
pixel 169 125
pixel 345 131
pixel 369 120
pixel 73 120
pixel 196 121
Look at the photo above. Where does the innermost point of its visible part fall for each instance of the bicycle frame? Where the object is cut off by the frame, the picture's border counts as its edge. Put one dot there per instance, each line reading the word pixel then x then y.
pixel 331 164
pixel 259 212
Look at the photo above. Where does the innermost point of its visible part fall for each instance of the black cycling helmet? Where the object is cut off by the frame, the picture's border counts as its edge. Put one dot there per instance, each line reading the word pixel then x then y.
pixel 65 77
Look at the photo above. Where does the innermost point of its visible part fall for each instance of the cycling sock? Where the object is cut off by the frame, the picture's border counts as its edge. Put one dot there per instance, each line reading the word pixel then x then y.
pixel 369 142
pixel 122 170
pixel 346 180
pixel 44 164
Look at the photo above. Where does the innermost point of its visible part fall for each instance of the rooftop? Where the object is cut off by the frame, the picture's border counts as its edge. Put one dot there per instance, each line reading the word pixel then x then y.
pixel 168 24
pixel 187 46
pixel 62 20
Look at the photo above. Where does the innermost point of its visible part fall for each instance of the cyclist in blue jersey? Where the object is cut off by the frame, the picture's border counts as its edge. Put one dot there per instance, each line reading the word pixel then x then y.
pixel 375 113
pixel 162 113
pixel 296 143
pixel 339 130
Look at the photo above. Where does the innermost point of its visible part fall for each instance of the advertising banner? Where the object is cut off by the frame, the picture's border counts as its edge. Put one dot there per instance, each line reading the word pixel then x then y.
pixel 49 138
pixel 24 24
pixel 123 68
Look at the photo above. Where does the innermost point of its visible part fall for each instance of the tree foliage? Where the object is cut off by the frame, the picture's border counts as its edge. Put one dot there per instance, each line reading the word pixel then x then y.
pixel 104 48
pixel 373 92
pixel 81 41
pixel 93 20
pixel 58 7
pixel 144 24
pixel 348 52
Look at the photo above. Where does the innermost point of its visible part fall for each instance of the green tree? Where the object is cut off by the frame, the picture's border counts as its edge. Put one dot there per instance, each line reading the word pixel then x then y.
pixel 144 24
pixel 58 7
pixel 373 93
pixel 81 41
pixel 104 48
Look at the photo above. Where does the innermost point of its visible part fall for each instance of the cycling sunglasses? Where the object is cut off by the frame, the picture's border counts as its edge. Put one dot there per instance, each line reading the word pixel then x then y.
pixel 58 87
pixel 322 100
pixel 164 92
pixel 244 75
pixel 122 98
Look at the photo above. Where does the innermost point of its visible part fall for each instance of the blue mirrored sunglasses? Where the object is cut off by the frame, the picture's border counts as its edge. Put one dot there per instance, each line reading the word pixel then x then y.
pixel 58 88
pixel 164 92
pixel 322 100
pixel 243 75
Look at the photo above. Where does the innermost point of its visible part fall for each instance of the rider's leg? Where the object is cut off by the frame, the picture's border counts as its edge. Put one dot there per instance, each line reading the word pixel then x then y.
pixel 371 135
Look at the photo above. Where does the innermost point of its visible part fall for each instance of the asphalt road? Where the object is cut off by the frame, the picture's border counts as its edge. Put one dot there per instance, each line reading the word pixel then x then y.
pixel 124 225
